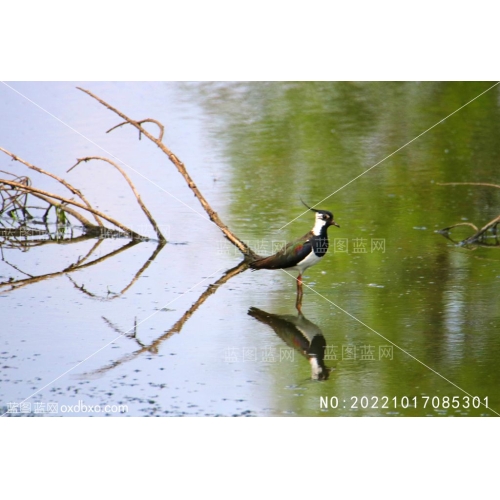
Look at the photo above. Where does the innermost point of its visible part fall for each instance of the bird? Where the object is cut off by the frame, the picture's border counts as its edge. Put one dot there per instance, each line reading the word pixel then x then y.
pixel 303 252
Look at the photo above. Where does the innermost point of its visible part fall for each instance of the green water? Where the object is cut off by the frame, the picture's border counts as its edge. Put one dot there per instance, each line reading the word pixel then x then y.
pixel 433 303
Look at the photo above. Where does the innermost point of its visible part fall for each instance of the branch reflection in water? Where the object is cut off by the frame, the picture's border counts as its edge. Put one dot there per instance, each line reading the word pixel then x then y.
pixel 153 347
pixel 29 240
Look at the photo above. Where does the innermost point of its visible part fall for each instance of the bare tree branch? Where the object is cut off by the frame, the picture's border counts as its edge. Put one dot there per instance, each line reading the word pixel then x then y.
pixel 248 253
pixel 33 190
pixel 134 190
pixel 57 178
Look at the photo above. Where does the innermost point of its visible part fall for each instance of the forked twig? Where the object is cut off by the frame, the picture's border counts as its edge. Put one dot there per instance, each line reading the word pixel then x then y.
pixel 146 120
pixel 134 190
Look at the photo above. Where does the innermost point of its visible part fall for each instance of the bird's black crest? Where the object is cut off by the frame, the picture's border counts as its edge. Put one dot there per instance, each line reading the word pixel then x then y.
pixel 306 205
pixel 317 211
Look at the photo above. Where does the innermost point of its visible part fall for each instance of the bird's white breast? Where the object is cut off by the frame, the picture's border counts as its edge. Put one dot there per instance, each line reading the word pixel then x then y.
pixel 309 261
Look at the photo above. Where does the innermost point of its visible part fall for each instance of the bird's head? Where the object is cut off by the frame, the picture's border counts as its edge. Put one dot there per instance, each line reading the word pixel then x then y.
pixel 324 218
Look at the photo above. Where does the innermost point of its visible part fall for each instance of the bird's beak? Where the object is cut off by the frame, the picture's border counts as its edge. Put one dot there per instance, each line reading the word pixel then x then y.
pixel 333 223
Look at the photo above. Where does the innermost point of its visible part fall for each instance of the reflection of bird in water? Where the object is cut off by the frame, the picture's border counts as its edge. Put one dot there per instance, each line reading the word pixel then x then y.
pixel 301 334
pixel 302 253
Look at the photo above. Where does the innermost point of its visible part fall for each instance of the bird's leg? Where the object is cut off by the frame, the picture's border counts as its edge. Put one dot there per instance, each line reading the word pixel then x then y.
pixel 298 303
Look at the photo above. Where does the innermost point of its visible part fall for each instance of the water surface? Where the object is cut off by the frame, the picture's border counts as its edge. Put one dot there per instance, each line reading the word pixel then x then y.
pixel 404 312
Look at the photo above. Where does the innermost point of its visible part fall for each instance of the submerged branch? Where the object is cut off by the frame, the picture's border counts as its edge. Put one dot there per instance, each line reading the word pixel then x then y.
pixel 36 191
pixel 480 234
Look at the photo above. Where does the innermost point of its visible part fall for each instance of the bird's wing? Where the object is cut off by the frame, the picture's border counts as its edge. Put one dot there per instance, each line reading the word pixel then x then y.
pixel 289 256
